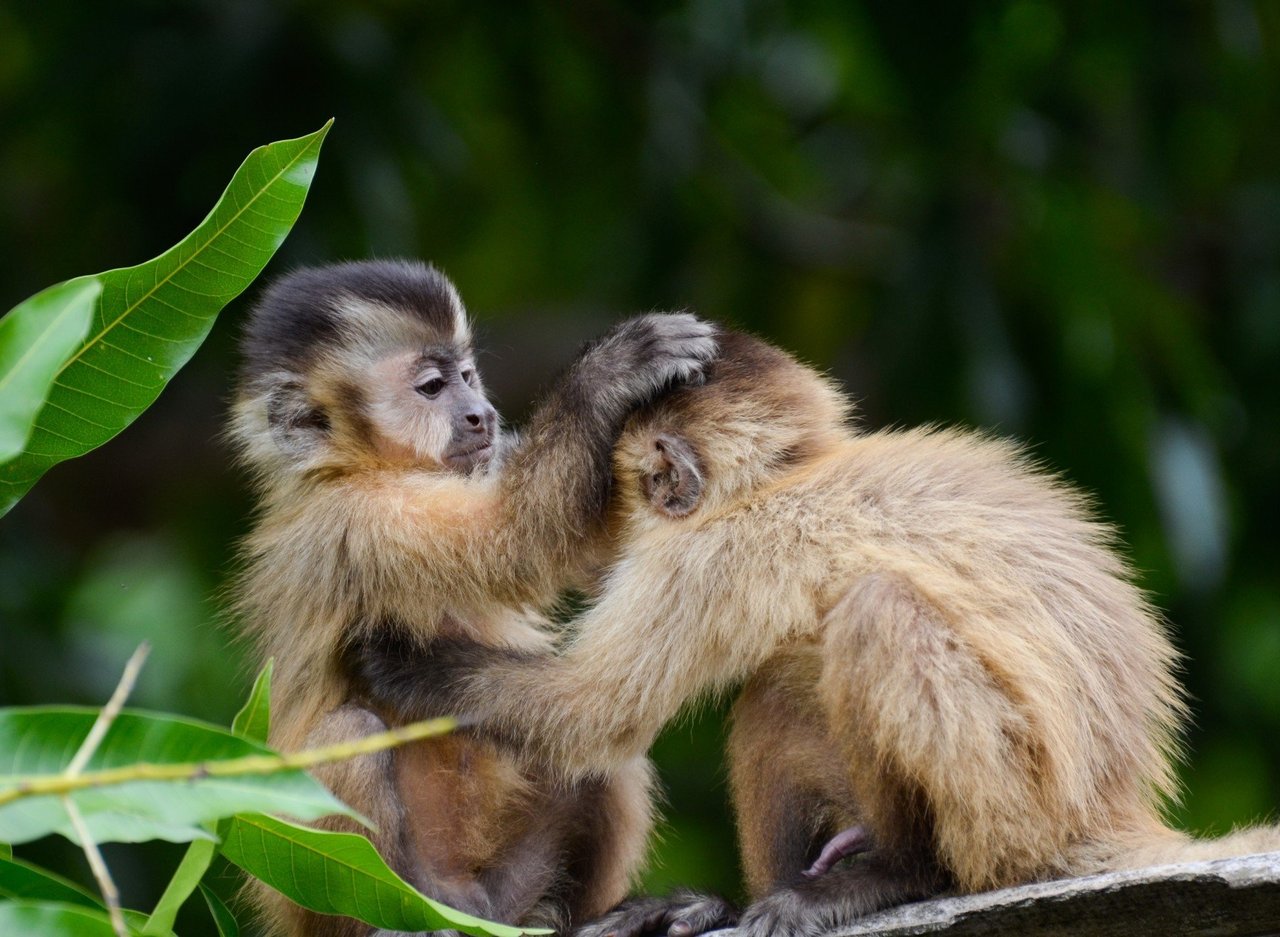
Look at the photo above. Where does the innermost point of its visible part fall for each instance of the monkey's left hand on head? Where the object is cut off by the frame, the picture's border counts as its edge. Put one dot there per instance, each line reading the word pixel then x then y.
pixel 638 359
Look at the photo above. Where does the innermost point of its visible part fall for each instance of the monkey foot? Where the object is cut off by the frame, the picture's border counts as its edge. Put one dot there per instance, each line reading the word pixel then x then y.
pixel 848 842
pixel 683 914
pixel 837 899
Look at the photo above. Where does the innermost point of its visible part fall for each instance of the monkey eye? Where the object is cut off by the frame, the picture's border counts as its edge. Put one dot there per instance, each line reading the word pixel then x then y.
pixel 468 375
pixel 432 387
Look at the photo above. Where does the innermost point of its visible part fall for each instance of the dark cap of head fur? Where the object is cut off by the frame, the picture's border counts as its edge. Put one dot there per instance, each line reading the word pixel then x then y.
pixel 755 391
pixel 300 313
pixel 749 368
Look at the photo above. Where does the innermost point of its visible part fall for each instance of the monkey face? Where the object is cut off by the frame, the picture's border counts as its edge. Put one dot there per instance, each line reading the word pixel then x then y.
pixel 430 406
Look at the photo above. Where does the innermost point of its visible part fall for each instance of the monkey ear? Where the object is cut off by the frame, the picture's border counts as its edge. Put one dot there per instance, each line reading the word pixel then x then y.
pixel 672 477
pixel 297 425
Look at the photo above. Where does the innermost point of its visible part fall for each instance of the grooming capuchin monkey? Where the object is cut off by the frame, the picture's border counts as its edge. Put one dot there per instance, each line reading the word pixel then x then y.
pixel 948 666
pixel 391 508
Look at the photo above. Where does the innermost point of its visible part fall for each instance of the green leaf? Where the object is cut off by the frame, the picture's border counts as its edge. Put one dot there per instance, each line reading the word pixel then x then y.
pixel 6 851
pixel 184 881
pixel 340 873
pixel 22 880
pixel 151 318
pixel 51 919
pixel 38 742
pixel 253 721
pixel 36 338
pixel 223 919
pixel 33 917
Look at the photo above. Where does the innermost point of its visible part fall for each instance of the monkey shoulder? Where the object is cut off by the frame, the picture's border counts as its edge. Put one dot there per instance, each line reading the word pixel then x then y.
pixel 952 470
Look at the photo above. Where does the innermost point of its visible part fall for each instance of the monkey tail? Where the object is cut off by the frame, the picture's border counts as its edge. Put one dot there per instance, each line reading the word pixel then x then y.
pixel 1171 847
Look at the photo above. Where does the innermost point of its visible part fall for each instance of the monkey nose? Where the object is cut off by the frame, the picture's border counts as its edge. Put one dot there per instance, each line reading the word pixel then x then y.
pixel 480 420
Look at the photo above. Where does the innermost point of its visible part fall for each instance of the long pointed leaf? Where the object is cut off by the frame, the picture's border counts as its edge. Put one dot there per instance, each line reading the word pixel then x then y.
pixel 253 721
pixel 223 919
pixel 151 318
pixel 340 873
pixel 52 919
pixel 40 741
pixel 195 862
pixel 36 339
pixel 22 880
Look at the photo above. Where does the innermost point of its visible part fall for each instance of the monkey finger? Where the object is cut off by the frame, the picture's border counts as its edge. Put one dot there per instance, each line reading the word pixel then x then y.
pixel 709 913
pixel 682 914
pixel 632 918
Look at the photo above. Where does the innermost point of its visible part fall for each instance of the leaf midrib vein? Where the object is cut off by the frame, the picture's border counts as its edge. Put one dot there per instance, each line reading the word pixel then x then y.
pixel 182 264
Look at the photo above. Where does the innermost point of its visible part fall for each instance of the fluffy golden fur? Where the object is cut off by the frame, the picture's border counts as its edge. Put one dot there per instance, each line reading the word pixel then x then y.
pixel 939 640
pixel 378 513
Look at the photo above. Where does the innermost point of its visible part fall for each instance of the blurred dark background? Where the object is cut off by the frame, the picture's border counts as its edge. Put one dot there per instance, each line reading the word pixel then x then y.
pixel 1061 223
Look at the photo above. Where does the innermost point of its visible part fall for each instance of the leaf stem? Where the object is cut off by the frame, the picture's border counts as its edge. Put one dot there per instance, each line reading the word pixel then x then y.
pixel 110 894
pixel 109 712
pixel 97 732
pixel 61 784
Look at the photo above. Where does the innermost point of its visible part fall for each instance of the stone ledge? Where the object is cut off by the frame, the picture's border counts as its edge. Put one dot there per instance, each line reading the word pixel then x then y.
pixel 1237 897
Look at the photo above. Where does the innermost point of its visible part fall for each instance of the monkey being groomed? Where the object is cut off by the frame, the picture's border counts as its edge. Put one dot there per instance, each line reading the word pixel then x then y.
pixel 391 507
pixel 949 670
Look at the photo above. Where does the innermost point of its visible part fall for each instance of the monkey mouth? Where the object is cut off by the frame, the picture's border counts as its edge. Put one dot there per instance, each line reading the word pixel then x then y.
pixel 463 460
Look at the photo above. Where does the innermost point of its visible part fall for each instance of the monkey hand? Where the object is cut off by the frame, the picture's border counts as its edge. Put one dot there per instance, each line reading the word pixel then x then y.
pixel 682 914
pixel 396 673
pixel 641 357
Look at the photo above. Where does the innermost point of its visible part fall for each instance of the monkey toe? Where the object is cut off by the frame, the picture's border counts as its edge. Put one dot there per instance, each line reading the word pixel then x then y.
pixel 786 913
pixel 840 896
pixel 699 915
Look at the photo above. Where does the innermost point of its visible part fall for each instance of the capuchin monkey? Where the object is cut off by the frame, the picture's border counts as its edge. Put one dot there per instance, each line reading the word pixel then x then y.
pixel 391 508
pixel 949 670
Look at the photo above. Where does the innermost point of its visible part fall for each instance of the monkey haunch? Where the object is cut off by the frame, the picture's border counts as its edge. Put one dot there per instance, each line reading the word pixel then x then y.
pixel 391 506
pixel 939 642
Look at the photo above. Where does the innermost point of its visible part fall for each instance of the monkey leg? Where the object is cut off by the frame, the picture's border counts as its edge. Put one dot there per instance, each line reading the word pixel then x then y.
pixel 571 858
pixel 942 754
pixel 366 784
pixel 619 815
pixel 524 882
pixel 612 838
pixel 788 777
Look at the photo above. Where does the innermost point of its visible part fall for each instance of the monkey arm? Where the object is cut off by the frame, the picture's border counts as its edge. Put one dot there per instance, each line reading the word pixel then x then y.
pixel 387 668
pixel 588 710
pixel 650 646
pixel 475 544
pixel 556 484
pixel 519 538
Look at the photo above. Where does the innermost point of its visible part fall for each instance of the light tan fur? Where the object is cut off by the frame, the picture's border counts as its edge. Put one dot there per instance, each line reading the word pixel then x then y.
pixel 941 640
pixel 429 550
pixel 361 528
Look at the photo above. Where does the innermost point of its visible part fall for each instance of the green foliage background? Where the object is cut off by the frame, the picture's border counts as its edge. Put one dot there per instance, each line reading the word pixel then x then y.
pixel 1061 222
